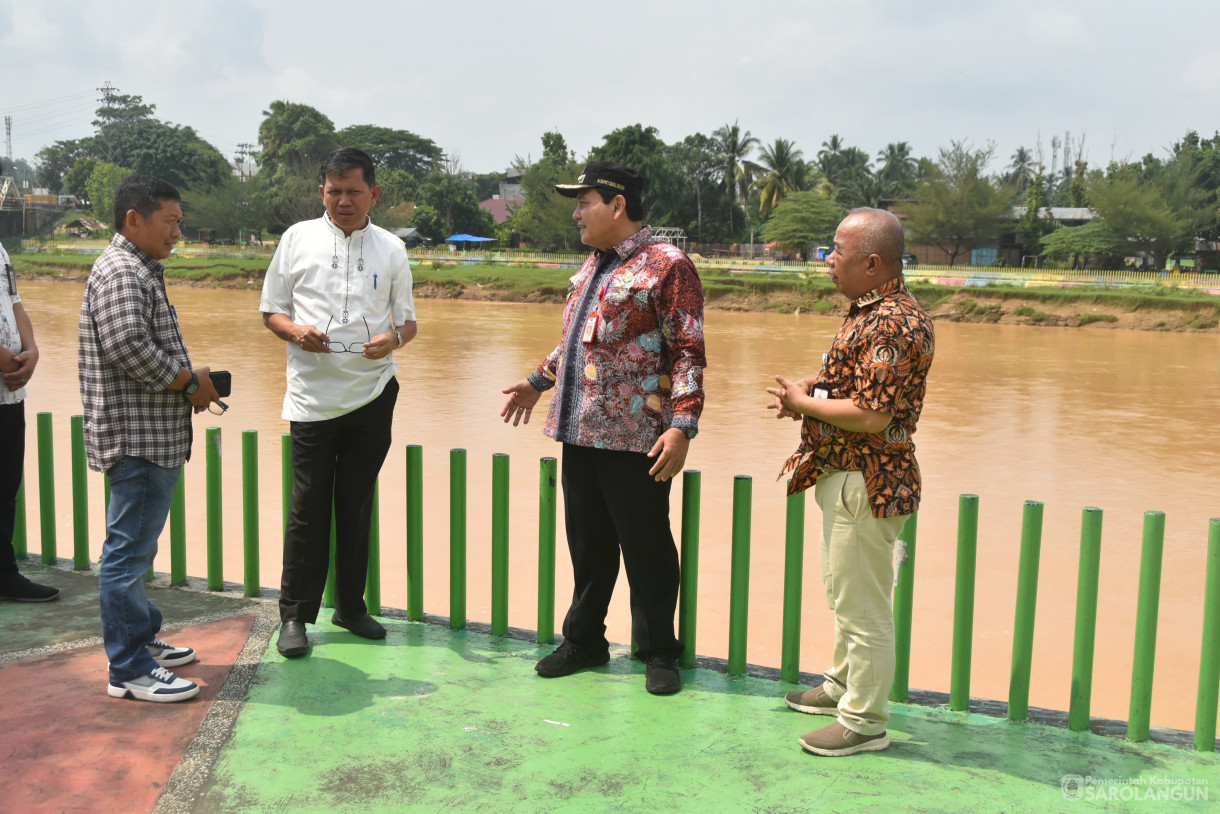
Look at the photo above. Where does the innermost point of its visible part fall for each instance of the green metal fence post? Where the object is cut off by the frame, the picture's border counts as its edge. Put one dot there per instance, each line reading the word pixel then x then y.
pixel 249 484
pixel 689 597
pixel 372 578
pixel 328 590
pixel 499 544
pixel 46 487
pixel 546 550
pixel 20 536
pixel 739 579
pixel 457 538
pixel 80 496
pixel 286 478
pixel 904 593
pixel 794 575
pixel 177 530
pixel 415 532
pixel 963 602
pixel 215 512
pixel 1209 660
pixel 1144 661
pixel 1086 620
pixel 1027 604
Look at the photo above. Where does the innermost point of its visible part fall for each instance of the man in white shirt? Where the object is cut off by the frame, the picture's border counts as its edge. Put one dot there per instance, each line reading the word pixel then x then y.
pixel 338 291
pixel 18 358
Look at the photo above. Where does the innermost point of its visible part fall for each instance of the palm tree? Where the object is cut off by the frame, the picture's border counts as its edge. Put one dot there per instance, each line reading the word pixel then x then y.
pixel 897 172
pixel 786 172
pixel 1021 170
pixel 734 145
pixel 829 157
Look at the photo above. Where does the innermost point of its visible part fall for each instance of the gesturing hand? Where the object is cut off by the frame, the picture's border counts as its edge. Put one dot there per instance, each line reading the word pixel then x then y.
pixel 522 397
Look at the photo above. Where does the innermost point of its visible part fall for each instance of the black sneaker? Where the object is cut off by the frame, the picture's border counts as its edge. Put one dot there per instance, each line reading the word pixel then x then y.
pixel 16 588
pixel 662 676
pixel 570 657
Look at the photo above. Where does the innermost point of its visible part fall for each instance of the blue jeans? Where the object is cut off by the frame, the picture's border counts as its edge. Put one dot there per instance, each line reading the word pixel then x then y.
pixel 140 497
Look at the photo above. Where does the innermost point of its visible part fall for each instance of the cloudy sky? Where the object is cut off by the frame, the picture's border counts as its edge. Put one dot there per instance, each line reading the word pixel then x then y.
pixel 485 79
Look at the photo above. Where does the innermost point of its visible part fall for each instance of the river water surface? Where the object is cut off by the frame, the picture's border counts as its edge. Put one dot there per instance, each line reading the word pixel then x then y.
pixel 1073 418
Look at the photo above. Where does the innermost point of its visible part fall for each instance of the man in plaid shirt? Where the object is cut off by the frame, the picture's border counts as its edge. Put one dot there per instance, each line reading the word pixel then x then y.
pixel 138 390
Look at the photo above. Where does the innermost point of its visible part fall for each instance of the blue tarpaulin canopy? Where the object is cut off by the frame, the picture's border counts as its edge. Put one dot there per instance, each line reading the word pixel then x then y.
pixel 467 239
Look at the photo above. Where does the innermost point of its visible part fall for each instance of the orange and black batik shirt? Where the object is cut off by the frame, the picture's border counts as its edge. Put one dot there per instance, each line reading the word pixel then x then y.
pixel 880 360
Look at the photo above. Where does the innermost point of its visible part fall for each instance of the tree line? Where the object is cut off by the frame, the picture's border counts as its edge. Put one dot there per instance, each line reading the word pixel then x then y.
pixel 722 188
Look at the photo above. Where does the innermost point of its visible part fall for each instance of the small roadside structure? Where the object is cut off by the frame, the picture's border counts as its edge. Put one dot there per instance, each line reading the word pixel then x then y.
pixel 81 226
pixel 411 236
pixel 465 239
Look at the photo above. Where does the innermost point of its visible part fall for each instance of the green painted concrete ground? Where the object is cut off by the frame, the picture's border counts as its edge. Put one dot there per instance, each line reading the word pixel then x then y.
pixel 434 721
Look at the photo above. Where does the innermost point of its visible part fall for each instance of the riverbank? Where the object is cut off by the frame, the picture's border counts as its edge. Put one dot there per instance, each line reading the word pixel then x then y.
pixel 1150 308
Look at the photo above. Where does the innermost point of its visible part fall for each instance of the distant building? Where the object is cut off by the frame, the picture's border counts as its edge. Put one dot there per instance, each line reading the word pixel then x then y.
pixel 510 187
pixel 81 226
pixel 410 236
pixel 1004 247
pixel 499 207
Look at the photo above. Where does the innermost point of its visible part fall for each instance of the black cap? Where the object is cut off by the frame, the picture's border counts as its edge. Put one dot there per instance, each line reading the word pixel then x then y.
pixel 609 175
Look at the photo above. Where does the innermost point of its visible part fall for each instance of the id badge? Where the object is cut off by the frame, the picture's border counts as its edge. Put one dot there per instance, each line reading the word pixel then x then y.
pixel 589 334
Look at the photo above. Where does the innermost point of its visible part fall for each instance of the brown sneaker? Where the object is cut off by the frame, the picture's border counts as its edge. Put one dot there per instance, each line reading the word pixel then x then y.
pixel 837 740
pixel 815 702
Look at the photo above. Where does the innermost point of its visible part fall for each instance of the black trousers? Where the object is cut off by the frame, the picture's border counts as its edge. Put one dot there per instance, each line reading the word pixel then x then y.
pixel 337 458
pixel 613 505
pixel 12 461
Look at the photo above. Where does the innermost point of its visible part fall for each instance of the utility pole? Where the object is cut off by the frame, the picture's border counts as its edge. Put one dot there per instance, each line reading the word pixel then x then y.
pixel 8 139
pixel 244 151
pixel 108 92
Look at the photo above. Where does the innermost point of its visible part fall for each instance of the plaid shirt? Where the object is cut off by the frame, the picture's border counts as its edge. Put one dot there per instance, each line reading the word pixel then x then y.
pixel 130 352
pixel 880 360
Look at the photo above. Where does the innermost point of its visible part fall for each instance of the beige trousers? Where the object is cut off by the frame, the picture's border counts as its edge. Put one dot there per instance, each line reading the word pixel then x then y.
pixel 857 555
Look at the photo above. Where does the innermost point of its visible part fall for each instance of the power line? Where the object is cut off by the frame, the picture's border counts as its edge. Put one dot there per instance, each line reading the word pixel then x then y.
pixel 52 115
pixel 58 100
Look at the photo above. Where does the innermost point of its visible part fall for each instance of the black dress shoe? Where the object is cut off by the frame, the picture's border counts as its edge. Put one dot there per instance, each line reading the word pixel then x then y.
pixel 292 641
pixel 662 677
pixel 366 627
pixel 16 588
pixel 569 657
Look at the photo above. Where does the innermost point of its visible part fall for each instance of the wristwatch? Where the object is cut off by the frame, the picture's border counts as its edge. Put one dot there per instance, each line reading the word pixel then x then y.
pixel 192 387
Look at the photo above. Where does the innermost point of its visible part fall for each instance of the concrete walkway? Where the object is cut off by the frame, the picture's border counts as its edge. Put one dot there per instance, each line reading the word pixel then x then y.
pixel 432 720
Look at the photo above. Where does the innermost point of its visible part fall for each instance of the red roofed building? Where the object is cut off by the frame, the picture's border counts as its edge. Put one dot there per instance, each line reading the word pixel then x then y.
pixel 499 207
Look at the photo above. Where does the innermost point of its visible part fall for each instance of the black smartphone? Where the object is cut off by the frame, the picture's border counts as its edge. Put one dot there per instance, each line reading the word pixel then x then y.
pixel 222 380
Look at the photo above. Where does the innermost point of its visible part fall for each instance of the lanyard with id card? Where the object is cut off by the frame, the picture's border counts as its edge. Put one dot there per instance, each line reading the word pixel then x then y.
pixel 589 334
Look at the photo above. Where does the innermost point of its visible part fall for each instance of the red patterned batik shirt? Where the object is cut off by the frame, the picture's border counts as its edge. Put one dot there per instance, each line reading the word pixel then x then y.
pixel 880 360
pixel 643 372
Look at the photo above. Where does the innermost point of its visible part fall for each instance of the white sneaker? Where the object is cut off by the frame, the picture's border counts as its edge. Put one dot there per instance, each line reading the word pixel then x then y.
pixel 166 655
pixel 160 685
